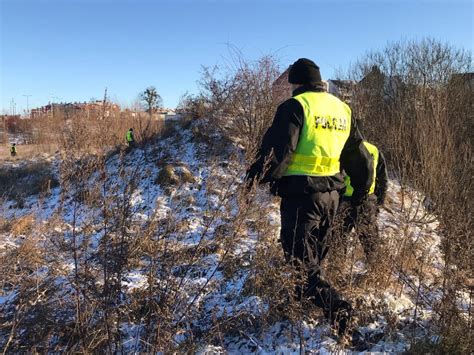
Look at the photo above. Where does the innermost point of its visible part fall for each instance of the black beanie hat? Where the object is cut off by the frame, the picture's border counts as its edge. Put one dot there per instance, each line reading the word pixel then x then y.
pixel 304 71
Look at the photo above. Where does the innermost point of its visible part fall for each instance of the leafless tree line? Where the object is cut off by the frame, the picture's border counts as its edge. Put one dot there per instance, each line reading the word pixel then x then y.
pixel 416 102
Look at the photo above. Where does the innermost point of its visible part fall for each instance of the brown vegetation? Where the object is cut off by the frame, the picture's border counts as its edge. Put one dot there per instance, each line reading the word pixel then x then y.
pixel 18 182
pixel 237 99
pixel 417 108
pixel 93 132
pixel 67 276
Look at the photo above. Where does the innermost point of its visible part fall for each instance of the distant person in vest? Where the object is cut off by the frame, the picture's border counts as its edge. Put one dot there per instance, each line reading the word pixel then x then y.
pixel 129 137
pixel 312 135
pixel 365 222
pixel 13 150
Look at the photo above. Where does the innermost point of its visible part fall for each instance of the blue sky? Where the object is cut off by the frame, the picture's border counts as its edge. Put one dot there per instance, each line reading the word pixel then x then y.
pixel 71 50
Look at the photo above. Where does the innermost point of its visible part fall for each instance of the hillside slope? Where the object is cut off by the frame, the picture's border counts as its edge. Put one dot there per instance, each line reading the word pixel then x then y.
pixel 161 248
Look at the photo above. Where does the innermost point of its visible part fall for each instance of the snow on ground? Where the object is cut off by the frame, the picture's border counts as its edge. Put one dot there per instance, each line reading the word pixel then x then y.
pixel 190 203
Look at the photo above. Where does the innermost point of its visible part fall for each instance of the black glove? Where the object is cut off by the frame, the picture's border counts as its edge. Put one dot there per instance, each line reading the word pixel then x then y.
pixel 352 216
pixel 357 204
pixel 358 198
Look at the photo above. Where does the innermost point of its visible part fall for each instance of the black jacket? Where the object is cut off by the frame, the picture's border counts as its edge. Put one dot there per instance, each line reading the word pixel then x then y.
pixel 279 143
pixel 381 179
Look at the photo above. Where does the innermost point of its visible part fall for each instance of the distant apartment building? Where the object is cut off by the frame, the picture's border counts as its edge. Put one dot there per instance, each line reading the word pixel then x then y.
pixel 375 82
pixel 282 89
pixel 158 114
pixel 169 114
pixel 95 109
pixel 343 89
pixel 464 79
pixel 461 92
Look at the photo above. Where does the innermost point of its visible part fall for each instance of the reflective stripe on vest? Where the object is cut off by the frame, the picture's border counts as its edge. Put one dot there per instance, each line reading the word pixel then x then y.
pixel 347 180
pixel 326 127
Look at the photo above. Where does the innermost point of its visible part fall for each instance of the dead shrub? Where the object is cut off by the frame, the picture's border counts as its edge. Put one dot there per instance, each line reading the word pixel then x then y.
pixel 237 99
pixel 415 98
pixel 28 179
pixel 18 263
pixel 167 176
pixel 186 175
pixel 23 225
pixel 5 225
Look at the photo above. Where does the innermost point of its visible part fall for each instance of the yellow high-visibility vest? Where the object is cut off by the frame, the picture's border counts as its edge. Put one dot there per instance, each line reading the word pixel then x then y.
pixel 326 128
pixel 347 180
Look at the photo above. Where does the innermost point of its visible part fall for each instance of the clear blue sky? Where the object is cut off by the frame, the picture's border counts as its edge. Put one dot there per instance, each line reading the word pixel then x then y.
pixel 73 49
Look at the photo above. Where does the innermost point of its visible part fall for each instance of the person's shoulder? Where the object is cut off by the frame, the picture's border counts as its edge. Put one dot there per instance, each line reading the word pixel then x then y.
pixel 345 106
pixel 336 99
pixel 370 146
pixel 289 104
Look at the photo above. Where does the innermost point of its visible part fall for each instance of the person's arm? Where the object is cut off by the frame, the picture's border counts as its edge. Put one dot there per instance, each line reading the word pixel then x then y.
pixel 278 144
pixel 381 180
pixel 358 163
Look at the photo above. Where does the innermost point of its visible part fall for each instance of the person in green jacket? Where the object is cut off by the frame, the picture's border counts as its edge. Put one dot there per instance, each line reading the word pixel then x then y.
pixel 13 150
pixel 364 218
pixel 129 138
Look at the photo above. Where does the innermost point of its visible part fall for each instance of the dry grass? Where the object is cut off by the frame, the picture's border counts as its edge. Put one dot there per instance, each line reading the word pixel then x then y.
pixel 23 225
pixel 27 151
pixel 17 182
pixel 92 133
pixel 423 124
pixel 5 225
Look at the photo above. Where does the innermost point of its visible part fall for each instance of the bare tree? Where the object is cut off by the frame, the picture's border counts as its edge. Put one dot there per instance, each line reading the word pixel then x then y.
pixel 152 99
pixel 415 99
pixel 237 98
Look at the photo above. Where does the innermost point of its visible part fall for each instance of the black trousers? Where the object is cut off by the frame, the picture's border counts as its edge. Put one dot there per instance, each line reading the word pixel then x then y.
pixel 305 228
pixel 130 146
pixel 365 224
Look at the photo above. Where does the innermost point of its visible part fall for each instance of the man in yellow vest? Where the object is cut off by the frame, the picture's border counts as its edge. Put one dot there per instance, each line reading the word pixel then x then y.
pixel 13 150
pixel 365 222
pixel 130 139
pixel 312 135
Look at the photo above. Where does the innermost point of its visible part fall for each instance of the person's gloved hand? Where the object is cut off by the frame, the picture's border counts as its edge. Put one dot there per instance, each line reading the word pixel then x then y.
pixel 353 215
pixel 357 204
pixel 380 202
pixel 358 198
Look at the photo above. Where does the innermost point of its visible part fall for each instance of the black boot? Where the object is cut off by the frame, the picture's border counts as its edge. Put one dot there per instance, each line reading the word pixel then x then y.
pixel 342 316
pixel 339 315
pixel 359 343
